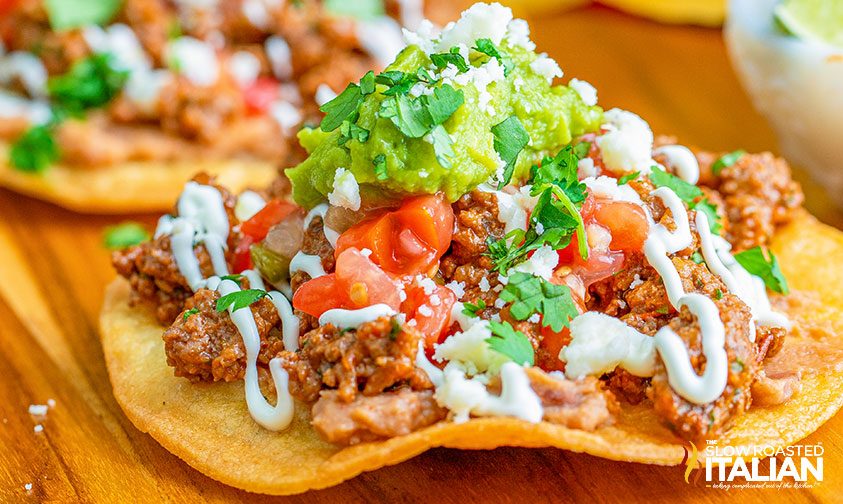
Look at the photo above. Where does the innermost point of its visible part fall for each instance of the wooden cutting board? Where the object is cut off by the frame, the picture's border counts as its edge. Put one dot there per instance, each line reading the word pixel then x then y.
pixel 53 274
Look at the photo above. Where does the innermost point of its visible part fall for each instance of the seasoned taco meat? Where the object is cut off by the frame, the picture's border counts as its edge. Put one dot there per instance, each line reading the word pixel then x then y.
pixel 581 404
pixel 698 422
pixel 151 269
pixel 368 418
pixel 368 360
pixel 206 345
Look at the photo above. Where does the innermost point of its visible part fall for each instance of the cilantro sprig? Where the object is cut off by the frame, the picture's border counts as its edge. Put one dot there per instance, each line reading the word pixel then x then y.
pixel 90 83
pixel 239 299
pixel 690 194
pixel 530 294
pixel 511 343
pixel 189 313
pixel 555 218
pixel 756 263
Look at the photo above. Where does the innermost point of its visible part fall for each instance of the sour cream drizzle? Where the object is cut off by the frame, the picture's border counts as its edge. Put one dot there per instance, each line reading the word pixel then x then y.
pixel 682 160
pixel 203 218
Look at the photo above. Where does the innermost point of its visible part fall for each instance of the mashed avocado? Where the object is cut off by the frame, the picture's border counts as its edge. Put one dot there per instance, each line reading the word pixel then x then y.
pixel 551 116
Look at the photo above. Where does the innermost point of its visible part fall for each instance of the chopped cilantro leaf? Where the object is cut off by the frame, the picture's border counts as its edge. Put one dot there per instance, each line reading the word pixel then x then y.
pixel 514 344
pixel 396 81
pixel 188 313
pixel 124 235
pixel 443 146
pixel 487 47
pixel 727 160
pixel 629 176
pixel 239 299
pixel 697 257
pixel 510 140
pixel 417 117
pixel 686 192
pixel 407 114
pixel 514 247
pixel 718 294
pixel 453 57
pixel 561 171
pixel 345 106
pixel 442 104
pixel 530 294
pixel 756 263
pixel 91 82
pixel 35 150
pixel 472 309
pixel 351 131
pixel 68 14
pixel 380 167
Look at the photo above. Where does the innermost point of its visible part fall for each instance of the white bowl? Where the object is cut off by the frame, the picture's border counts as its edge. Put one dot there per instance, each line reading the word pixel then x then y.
pixel 796 84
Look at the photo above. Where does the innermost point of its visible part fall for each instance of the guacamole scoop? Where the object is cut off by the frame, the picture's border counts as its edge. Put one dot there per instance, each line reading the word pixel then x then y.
pixel 390 165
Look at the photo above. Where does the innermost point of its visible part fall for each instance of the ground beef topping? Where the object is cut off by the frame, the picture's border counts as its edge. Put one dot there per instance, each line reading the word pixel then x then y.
pixel 368 360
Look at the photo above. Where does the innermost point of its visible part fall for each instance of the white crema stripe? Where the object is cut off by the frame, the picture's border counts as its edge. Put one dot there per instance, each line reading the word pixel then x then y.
pixel 682 160
pixel 270 417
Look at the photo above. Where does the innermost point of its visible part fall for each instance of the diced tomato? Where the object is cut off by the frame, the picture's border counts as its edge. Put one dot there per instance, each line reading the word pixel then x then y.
pixel 357 283
pixel 364 282
pixel 6 6
pixel 406 241
pixel 552 343
pixel 434 323
pixel 318 295
pixel 242 256
pixel 626 221
pixel 260 94
pixel 274 212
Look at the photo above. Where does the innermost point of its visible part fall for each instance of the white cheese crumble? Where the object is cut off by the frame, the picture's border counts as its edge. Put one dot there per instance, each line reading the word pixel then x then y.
pixel 484 284
pixel 586 168
pixel 38 428
pixel 518 34
pixel 324 94
pixel 541 263
pixel 259 12
pixel 604 187
pixel 481 20
pixel 381 37
pixel 465 397
pixel 38 409
pixel 285 114
pixel 244 67
pixel 27 68
pixel 469 352
pixel 194 59
pixel 587 92
pixel 34 111
pixel 248 204
pixel 627 145
pixel 279 54
pixel 346 192
pixel 600 343
pixel 458 288
pixel 546 67
pixel 425 311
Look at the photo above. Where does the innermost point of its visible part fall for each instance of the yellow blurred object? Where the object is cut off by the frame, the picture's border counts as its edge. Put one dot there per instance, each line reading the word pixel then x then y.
pixel 698 12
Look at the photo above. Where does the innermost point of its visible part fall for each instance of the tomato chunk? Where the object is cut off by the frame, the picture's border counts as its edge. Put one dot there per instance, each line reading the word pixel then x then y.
pixel 260 94
pixel 406 241
pixel 318 295
pixel 432 312
pixel 274 212
pixel 626 221
pixel 242 255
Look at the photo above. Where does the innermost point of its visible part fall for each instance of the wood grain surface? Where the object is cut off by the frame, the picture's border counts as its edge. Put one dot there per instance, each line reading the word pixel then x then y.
pixel 53 274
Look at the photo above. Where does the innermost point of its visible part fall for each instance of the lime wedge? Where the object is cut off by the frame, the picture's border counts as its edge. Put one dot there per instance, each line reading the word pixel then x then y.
pixel 818 20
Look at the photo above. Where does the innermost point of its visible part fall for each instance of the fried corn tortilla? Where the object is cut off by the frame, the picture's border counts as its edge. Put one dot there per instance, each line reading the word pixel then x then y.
pixel 209 427
pixel 129 187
